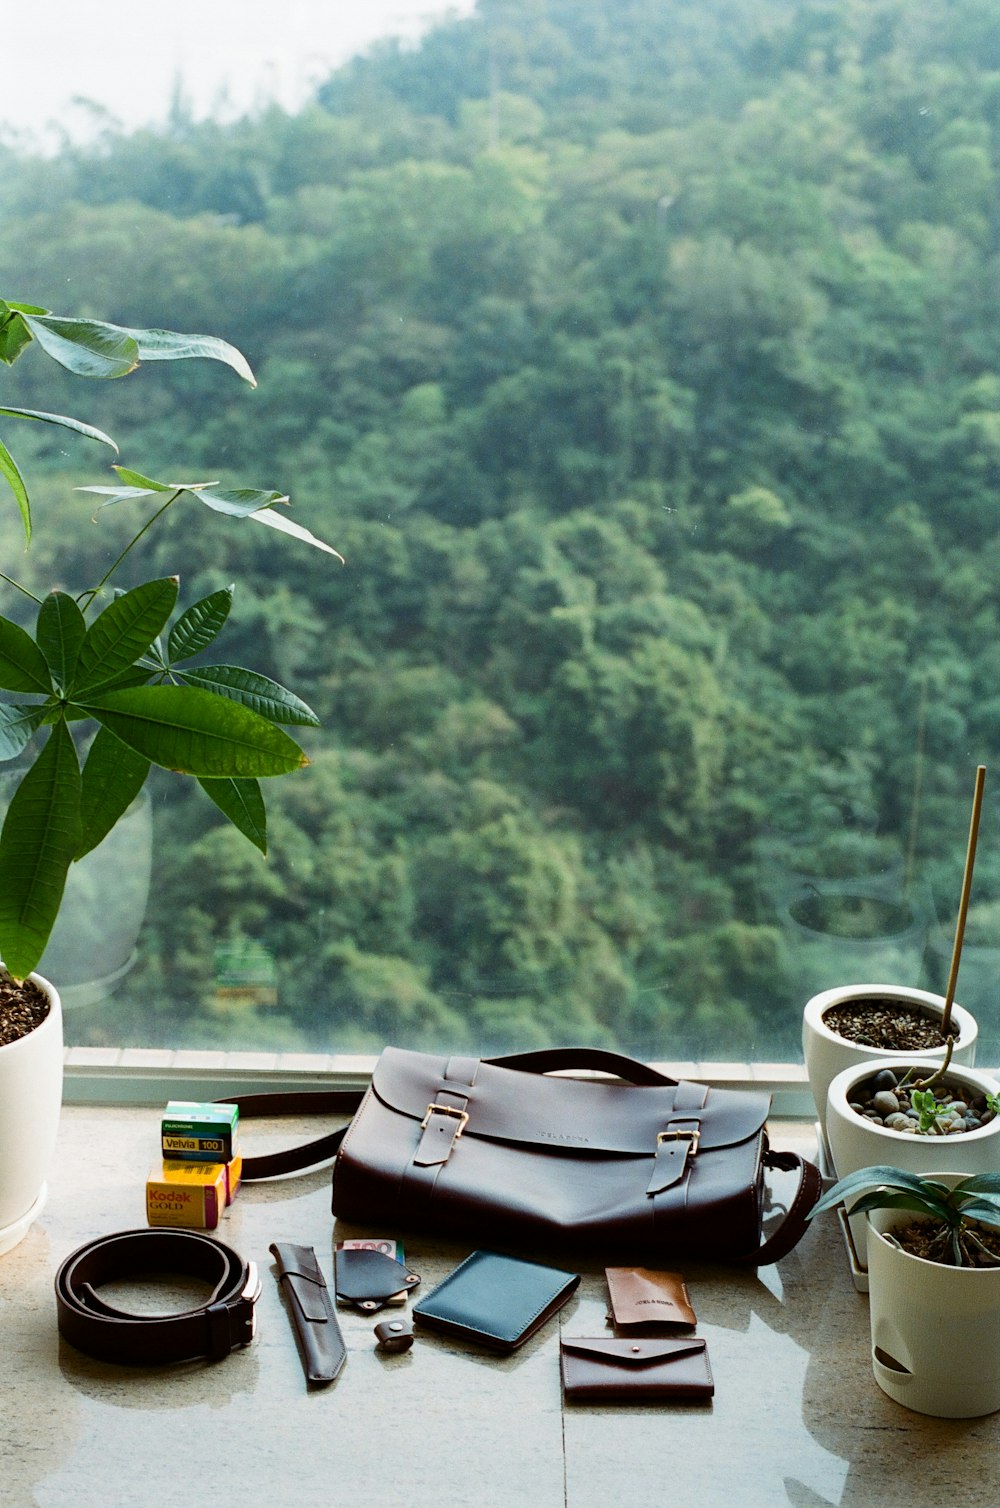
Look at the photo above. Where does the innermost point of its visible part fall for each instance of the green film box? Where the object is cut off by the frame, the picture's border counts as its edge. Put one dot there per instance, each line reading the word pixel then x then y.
pixel 197 1132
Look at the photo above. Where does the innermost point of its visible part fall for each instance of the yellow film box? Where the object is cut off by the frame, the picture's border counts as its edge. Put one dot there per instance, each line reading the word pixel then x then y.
pixel 187 1194
pixel 194 1131
pixel 234 1175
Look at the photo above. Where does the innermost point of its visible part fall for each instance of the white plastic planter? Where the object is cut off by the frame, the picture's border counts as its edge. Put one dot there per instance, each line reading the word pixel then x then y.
pixel 935 1330
pixel 30 1099
pixel 827 1054
pixel 858 1143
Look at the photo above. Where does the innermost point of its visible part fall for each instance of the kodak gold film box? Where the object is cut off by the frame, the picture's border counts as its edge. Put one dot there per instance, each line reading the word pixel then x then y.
pixel 234 1175
pixel 187 1194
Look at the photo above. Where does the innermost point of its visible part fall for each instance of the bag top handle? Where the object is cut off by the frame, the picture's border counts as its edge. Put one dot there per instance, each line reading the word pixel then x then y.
pixel 597 1059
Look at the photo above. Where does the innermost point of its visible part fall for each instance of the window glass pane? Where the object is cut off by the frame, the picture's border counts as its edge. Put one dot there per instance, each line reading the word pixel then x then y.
pixel 641 360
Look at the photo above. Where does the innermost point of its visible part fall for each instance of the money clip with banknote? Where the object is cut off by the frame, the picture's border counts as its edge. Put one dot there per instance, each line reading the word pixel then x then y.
pixel 369 1279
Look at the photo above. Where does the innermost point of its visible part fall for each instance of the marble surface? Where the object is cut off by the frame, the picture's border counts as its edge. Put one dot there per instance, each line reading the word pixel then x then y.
pixel 797 1417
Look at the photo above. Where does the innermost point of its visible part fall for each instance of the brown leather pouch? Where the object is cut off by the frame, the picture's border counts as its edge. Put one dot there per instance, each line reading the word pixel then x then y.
pixel 608 1369
pixel 642 1298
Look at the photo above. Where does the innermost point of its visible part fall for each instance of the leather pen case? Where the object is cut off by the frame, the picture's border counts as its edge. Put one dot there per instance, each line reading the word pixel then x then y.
pixel 495 1301
pixel 643 1298
pixel 609 1369
pixel 310 1310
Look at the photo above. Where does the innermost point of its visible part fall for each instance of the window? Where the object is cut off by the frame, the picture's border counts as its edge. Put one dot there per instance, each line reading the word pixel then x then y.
pixel 641 360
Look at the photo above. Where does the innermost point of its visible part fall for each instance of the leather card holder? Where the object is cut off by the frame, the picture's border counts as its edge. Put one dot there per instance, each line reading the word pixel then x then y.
pixel 495 1301
pixel 610 1369
pixel 643 1299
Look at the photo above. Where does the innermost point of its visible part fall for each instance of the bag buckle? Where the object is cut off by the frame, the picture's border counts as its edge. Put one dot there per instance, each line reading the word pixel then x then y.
pixel 670 1162
pixel 694 1137
pixel 462 1115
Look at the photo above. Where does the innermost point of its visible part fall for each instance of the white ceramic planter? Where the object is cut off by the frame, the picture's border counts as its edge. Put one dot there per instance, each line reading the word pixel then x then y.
pixel 858 1143
pixel 827 1054
pixel 935 1330
pixel 30 1098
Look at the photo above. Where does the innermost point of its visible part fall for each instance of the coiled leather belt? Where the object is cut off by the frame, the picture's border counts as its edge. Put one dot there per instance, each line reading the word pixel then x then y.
pixel 210 1331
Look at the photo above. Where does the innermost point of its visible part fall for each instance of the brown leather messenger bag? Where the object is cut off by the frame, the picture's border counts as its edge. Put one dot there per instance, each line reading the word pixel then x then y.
pixel 621 1163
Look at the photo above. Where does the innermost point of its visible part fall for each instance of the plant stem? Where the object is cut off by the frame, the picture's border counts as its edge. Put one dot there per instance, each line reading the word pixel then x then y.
pixel 86 598
pixel 941 1071
pixel 19 588
pixel 963 908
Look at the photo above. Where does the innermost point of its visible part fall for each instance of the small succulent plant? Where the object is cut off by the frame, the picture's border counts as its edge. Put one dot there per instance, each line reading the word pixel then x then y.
pixel 958 1210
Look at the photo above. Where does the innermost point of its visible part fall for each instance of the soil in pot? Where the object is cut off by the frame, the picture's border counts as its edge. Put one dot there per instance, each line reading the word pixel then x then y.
pixel 931 1239
pixel 879 1021
pixel 22 1008
pixel 900 1104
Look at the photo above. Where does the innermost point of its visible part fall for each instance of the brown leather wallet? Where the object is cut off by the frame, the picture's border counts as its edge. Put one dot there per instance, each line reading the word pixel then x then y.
pixel 643 1298
pixel 606 1369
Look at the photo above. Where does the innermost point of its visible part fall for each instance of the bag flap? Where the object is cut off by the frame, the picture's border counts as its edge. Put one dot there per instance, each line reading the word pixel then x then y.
pixel 631 1353
pixel 587 1115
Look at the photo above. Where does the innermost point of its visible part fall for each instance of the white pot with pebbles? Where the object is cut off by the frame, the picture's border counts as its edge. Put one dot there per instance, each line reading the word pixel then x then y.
pixel 871 1120
pixel 858 1023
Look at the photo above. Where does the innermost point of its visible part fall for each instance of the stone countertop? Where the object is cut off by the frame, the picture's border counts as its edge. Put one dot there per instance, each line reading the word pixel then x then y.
pixel 797 1417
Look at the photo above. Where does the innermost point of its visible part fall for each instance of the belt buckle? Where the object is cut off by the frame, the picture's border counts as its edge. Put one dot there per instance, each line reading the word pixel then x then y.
pixel 248 1301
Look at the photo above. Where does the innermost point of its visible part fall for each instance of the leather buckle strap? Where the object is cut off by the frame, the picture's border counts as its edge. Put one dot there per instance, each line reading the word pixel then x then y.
pixel 674 1147
pixel 209 1331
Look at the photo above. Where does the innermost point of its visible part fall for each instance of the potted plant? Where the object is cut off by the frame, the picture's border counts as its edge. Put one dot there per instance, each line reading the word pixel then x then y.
pixel 934 1285
pixel 901 1022
pixel 858 1141
pixel 846 1026
pixel 112 661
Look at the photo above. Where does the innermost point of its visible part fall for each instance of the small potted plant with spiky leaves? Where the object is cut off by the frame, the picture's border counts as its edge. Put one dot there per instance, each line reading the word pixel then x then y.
pixel 934 1285
pixel 112 661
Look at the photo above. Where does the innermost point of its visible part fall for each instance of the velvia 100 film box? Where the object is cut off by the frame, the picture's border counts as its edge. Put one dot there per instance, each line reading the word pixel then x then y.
pixel 192 1131
pixel 186 1193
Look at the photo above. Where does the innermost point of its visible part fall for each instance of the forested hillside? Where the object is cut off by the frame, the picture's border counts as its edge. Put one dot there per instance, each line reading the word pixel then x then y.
pixel 642 361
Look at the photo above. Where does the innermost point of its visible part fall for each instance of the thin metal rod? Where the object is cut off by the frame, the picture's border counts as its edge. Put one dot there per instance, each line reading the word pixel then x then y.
pixel 963 909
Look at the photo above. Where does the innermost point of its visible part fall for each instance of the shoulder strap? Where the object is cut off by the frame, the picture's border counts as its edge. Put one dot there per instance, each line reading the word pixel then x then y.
pixel 295 1102
pixel 792 1228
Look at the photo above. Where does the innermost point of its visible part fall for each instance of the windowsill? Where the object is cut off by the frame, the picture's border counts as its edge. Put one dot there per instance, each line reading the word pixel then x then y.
pixel 151 1076
pixel 797 1416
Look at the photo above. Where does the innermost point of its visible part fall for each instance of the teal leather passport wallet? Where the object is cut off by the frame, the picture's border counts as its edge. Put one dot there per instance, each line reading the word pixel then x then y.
pixel 495 1301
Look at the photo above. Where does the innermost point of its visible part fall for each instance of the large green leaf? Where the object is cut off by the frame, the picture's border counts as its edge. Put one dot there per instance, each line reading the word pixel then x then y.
pixel 243 804
pixel 61 631
pixel 119 494
pixel 15 481
pixel 196 628
pixel 22 664
pixel 987 1211
pixel 136 479
pixel 40 836
pixel 256 691
pixel 87 347
pixel 887 1199
pixel 239 501
pixel 64 421
pixel 288 526
pixel 865 1180
pixel 123 631
pixel 195 732
pixel 113 775
pixel 17 723
pixel 14 334
pixel 168 345
pixel 979 1183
